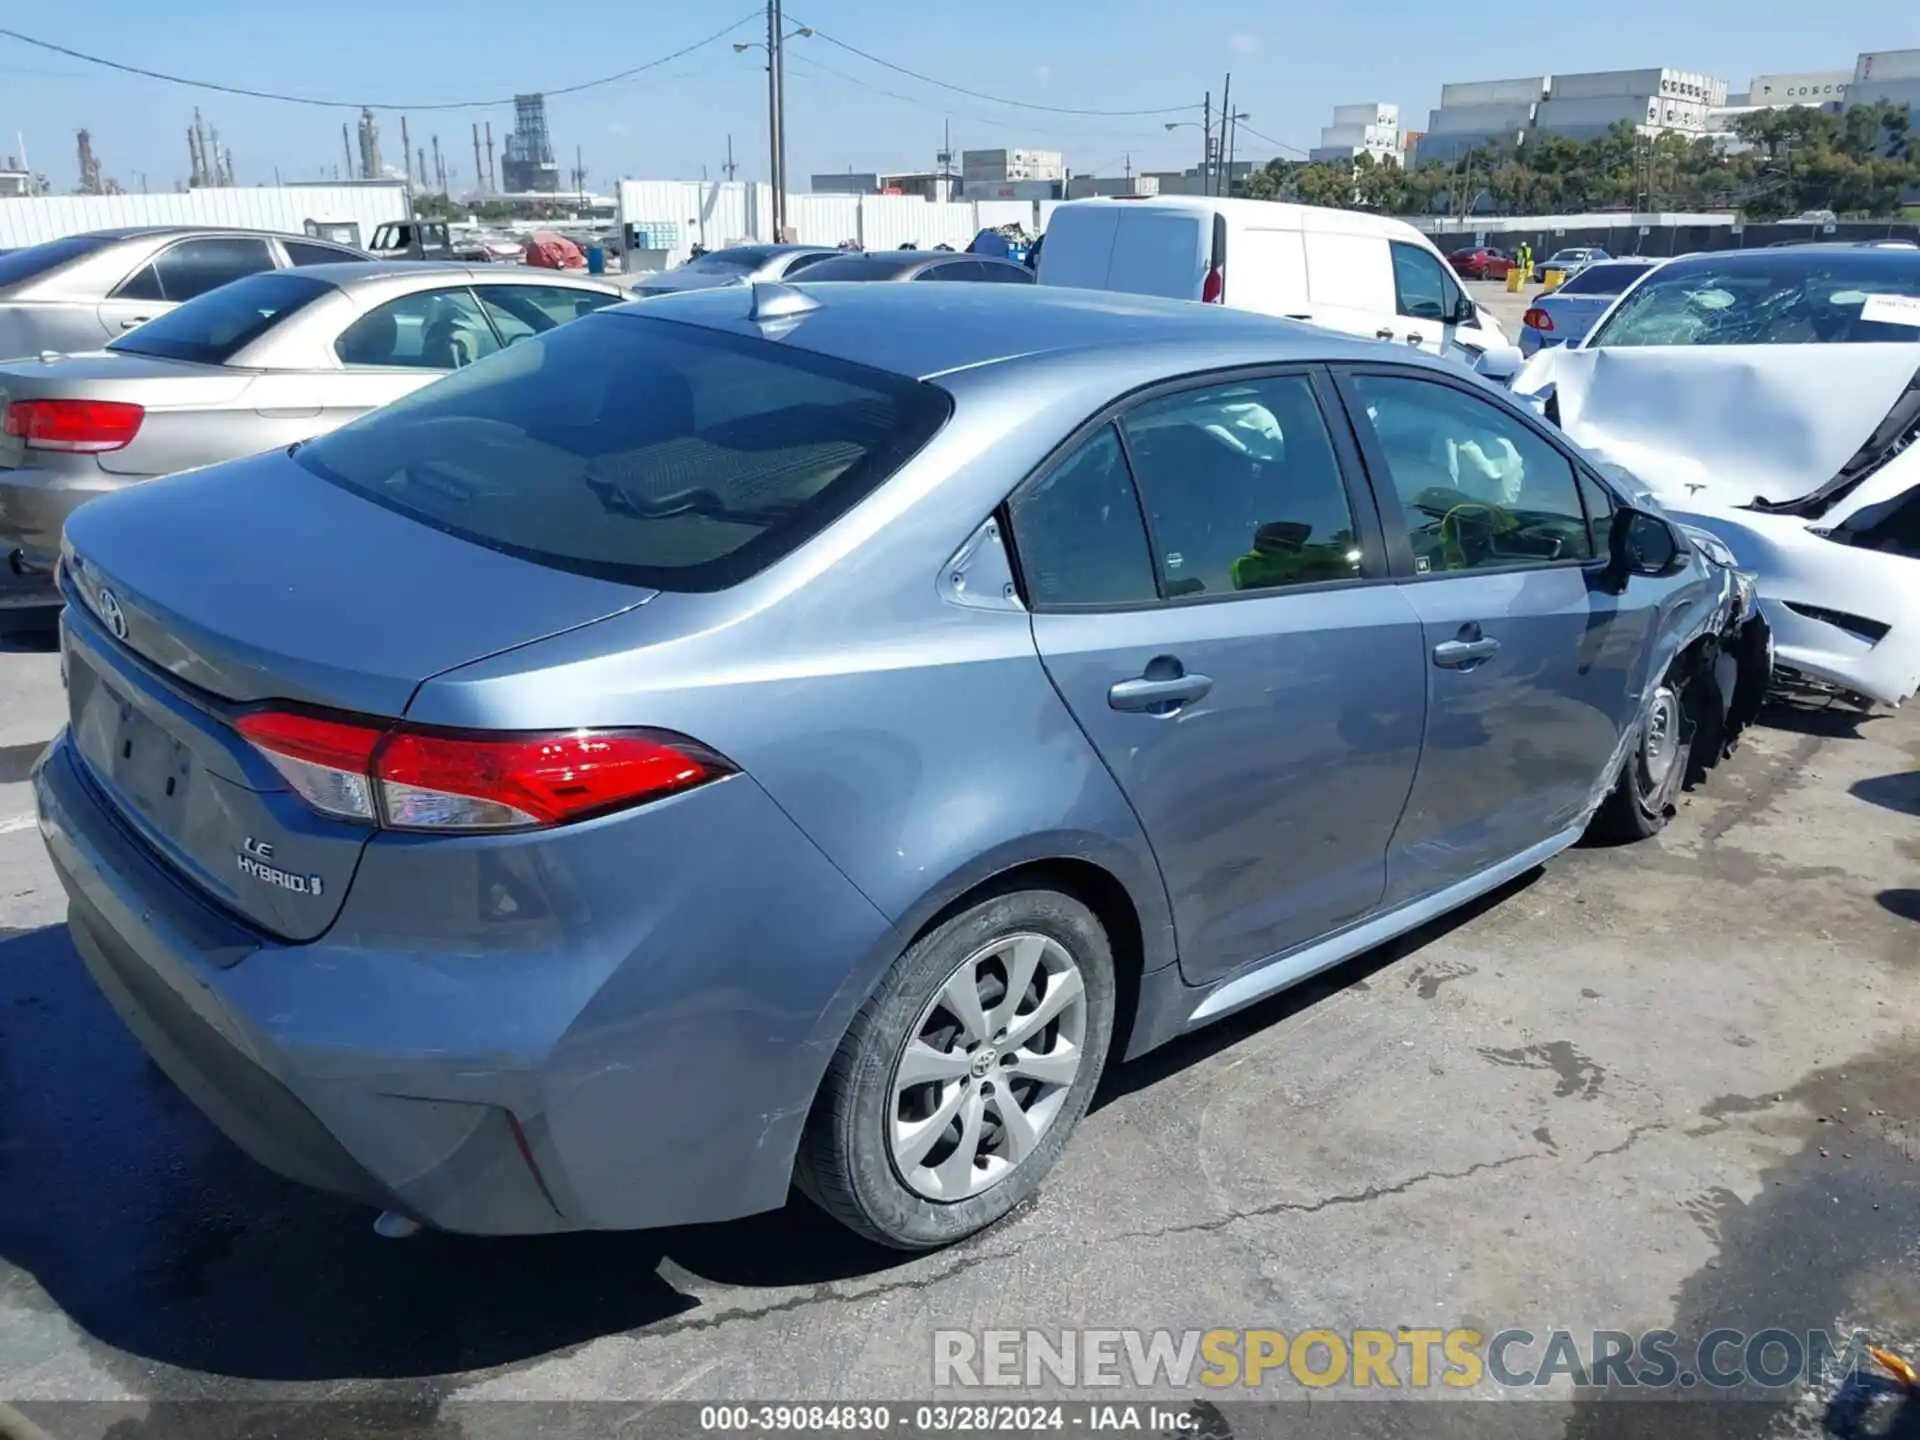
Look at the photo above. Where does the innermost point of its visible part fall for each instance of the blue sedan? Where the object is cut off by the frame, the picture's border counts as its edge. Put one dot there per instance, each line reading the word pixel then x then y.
pixel 767 735
pixel 1564 316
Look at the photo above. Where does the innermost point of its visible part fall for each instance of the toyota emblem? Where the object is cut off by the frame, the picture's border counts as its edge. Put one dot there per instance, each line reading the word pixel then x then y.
pixel 111 613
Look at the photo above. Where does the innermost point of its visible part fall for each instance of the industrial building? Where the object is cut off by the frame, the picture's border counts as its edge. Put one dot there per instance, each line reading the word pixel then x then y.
pixel 14 180
pixel 1580 106
pixel 1360 130
pixel 1886 77
pixel 849 182
pixel 528 166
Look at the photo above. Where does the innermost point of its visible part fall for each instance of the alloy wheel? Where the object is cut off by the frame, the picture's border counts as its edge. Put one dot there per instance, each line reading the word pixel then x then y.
pixel 987 1067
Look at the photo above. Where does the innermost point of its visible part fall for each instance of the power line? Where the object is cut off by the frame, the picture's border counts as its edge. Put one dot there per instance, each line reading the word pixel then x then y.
pixel 1277 144
pixel 808 64
pixel 820 34
pixel 73 54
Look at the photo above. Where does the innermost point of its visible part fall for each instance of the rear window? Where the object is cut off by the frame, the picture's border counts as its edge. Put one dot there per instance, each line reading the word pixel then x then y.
pixel 219 324
pixel 860 267
pixel 736 261
pixel 37 260
pixel 1603 279
pixel 636 450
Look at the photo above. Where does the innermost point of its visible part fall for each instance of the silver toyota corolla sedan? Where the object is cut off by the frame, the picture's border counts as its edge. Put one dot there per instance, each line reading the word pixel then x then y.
pixel 80 291
pixel 775 734
pixel 255 365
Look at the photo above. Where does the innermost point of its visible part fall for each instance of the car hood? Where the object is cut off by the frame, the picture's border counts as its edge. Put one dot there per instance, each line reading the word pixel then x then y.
pixel 1726 424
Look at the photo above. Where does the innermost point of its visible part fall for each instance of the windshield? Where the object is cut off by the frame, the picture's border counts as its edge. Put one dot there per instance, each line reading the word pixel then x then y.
pixel 1773 298
pixel 218 325
pixel 37 260
pixel 639 451
pixel 1603 279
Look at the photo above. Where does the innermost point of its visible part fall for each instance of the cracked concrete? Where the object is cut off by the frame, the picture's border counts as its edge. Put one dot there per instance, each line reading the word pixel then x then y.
pixel 1598 1100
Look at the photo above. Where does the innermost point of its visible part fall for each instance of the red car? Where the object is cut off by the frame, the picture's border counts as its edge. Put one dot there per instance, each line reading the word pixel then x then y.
pixel 1481 262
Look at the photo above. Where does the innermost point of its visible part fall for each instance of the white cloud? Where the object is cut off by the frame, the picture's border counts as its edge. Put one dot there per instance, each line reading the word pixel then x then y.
pixel 1043 73
pixel 1245 43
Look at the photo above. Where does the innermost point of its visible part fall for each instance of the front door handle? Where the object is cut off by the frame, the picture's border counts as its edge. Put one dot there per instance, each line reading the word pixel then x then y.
pixel 1384 334
pixel 1464 654
pixel 1159 696
pixel 136 320
pixel 1414 339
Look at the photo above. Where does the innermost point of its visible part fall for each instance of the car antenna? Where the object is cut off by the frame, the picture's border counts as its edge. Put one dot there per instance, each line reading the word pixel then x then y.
pixel 774 301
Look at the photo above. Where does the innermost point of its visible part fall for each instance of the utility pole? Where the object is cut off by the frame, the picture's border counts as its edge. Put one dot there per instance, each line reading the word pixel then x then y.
pixel 479 175
pixel 423 165
pixel 1206 144
pixel 776 120
pixel 580 178
pixel 730 166
pixel 493 184
pixel 1226 115
pixel 439 170
pixel 406 156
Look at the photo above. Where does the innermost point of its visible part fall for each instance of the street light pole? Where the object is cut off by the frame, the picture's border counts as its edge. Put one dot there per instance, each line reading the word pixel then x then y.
pixel 776 122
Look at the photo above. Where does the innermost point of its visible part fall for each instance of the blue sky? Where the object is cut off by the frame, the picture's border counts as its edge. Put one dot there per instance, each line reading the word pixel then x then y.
pixel 1290 66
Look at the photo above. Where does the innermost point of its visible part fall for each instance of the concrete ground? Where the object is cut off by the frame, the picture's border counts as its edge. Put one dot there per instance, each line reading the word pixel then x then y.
pixel 1675 1084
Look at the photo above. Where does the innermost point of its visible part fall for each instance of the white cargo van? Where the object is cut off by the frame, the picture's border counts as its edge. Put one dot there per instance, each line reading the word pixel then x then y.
pixel 1344 269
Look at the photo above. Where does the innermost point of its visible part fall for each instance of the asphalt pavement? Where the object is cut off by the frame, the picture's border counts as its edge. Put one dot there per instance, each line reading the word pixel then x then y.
pixel 1668 1085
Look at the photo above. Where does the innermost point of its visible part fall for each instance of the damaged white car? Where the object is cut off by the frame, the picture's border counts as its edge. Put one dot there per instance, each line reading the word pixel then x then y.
pixel 1772 397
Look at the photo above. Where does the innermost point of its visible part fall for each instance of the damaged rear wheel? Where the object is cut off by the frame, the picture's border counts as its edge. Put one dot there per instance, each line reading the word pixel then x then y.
pixel 1644 797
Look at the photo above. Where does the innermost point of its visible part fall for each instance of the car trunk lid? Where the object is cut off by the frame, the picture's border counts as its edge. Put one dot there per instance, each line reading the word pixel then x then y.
pixel 205 593
pixel 148 381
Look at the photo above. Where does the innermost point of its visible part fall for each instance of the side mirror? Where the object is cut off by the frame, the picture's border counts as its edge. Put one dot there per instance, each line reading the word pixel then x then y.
pixel 1646 544
pixel 1499 362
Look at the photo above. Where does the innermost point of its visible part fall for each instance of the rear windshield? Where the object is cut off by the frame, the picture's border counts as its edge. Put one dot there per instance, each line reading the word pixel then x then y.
pixel 1772 297
pixel 736 261
pixel 637 450
pixel 860 267
pixel 218 325
pixel 1603 279
pixel 37 260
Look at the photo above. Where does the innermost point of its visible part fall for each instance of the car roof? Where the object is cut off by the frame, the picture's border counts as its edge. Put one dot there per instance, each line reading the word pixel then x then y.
pixel 925 331
pixel 348 273
pixel 148 232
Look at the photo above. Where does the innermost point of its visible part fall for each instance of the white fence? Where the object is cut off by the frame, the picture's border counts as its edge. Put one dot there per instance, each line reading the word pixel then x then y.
pixel 715 214
pixel 28 220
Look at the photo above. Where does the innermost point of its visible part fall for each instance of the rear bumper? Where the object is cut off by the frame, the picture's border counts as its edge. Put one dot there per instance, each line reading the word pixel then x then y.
pixel 35 504
pixel 654 1069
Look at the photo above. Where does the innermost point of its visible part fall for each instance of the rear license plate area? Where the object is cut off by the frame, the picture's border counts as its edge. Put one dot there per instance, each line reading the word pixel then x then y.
pixel 147 770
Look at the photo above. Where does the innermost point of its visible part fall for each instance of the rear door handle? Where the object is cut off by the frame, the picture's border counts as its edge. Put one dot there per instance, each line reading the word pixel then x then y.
pixel 1413 339
pixel 1146 694
pixel 1384 334
pixel 1464 654
pixel 136 320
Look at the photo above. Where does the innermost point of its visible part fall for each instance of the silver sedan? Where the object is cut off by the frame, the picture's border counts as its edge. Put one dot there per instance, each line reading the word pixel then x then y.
pixel 736 265
pixel 256 365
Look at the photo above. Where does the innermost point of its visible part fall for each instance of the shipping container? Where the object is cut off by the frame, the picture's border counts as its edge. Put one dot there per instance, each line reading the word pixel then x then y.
pixel 1807 87
pixel 1888 65
pixel 1492 119
pixel 1378 113
pixel 1494 92
pixel 1601 110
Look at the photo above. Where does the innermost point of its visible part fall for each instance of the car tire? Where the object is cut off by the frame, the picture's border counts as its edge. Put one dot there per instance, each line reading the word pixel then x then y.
pixel 871 1156
pixel 1648 788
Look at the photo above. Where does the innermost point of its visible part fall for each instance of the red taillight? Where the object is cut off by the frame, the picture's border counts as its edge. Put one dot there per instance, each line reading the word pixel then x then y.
pixel 86 426
pixel 1214 292
pixel 405 778
pixel 1537 319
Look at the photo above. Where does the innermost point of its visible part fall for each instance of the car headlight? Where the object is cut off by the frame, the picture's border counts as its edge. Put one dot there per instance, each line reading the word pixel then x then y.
pixel 1711 546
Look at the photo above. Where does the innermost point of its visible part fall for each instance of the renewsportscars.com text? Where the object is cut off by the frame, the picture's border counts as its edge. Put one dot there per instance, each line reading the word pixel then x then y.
pixel 1397 1359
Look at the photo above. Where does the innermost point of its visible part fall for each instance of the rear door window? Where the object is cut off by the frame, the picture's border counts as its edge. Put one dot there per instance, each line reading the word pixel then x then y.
pixel 1242 488
pixel 310 252
pixel 637 450
pixel 190 268
pixel 1078 533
